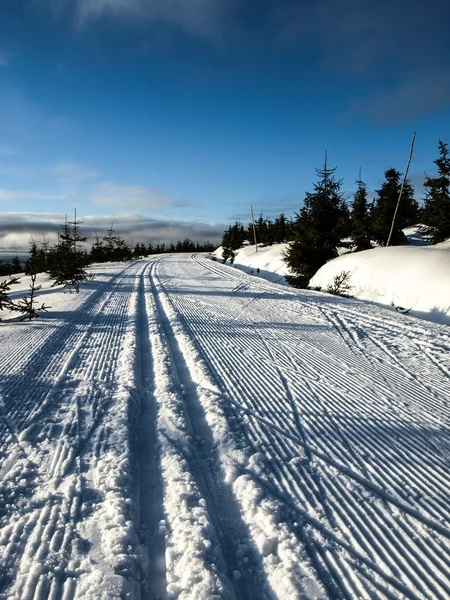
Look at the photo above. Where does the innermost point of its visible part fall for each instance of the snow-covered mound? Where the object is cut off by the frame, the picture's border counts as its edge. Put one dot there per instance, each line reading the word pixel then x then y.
pixel 411 277
pixel 268 259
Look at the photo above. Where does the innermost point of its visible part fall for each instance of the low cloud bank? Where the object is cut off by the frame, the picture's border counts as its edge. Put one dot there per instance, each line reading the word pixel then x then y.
pixel 17 229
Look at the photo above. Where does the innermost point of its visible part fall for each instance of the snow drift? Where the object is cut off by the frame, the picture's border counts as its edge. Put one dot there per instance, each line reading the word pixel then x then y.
pixel 411 277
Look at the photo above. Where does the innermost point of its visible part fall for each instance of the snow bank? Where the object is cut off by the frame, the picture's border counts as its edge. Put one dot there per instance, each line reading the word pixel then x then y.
pixel 412 277
pixel 415 276
pixel 268 259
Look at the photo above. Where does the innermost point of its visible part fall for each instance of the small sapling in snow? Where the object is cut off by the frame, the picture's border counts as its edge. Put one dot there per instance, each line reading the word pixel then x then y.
pixel 5 288
pixel 27 306
pixel 341 285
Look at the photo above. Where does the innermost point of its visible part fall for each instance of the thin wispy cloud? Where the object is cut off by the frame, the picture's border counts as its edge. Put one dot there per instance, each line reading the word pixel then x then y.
pixel 134 197
pixel 71 176
pixel 74 171
pixel 9 195
pixel 419 91
pixel 6 150
pixel 198 17
pixel 351 38
pixel 5 59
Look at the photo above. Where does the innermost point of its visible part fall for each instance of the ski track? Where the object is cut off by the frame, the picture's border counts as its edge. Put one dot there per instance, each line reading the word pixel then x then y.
pixel 352 425
pixel 185 430
pixel 54 433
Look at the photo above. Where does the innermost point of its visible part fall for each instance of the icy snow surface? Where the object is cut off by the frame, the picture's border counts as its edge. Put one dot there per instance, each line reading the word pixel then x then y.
pixel 181 429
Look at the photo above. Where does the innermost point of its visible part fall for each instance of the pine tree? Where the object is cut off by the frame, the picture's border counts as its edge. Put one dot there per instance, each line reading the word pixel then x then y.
pixel 16 265
pixel 280 229
pixel 233 236
pixel 360 219
pixel 66 262
pixel 436 212
pixel 27 305
pixel 319 228
pixel 76 237
pixel 5 288
pixel 384 207
pixel 37 260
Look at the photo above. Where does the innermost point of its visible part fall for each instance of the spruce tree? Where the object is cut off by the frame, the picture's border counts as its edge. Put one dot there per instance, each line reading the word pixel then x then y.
pixel 280 229
pixel 16 265
pixel 319 228
pixel 383 209
pixel 436 212
pixel 66 262
pixel 360 219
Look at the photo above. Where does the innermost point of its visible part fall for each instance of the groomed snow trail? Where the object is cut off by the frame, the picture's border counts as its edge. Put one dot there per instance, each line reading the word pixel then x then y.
pixel 341 413
pixel 183 430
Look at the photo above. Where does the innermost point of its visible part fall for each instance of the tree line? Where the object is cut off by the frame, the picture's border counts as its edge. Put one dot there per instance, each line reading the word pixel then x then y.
pixel 327 221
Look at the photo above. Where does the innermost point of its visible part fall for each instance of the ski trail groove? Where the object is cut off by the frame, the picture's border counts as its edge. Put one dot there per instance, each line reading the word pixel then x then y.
pixel 153 578
pixel 204 462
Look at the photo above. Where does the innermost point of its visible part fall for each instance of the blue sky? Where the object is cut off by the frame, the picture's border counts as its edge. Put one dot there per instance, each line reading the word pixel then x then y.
pixel 171 117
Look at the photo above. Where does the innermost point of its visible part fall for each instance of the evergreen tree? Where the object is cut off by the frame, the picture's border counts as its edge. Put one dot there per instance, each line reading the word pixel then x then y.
pixel 319 228
pixel 280 229
pixel 66 262
pixel 97 253
pixel 16 265
pixel 234 235
pixel 5 288
pixel 37 261
pixel 384 208
pixel 228 254
pixel 27 305
pixel 5 268
pixel 262 227
pixel 360 219
pixel 436 212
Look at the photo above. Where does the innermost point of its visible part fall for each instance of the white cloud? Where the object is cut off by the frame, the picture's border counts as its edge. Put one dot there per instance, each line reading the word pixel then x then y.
pixel 131 197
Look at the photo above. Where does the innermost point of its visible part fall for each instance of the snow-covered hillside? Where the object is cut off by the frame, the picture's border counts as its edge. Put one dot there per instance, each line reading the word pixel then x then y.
pixel 181 429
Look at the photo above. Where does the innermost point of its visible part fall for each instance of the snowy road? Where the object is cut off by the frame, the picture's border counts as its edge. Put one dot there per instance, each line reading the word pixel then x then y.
pixel 183 430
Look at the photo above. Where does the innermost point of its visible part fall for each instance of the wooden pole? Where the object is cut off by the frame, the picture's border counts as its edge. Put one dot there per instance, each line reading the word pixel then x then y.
pixel 401 189
pixel 254 230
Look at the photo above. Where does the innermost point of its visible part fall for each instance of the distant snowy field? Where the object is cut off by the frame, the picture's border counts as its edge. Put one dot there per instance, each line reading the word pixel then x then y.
pixel 414 277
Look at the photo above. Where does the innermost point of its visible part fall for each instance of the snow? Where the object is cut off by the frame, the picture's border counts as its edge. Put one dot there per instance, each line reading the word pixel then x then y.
pixel 183 429
pixel 268 259
pixel 415 278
